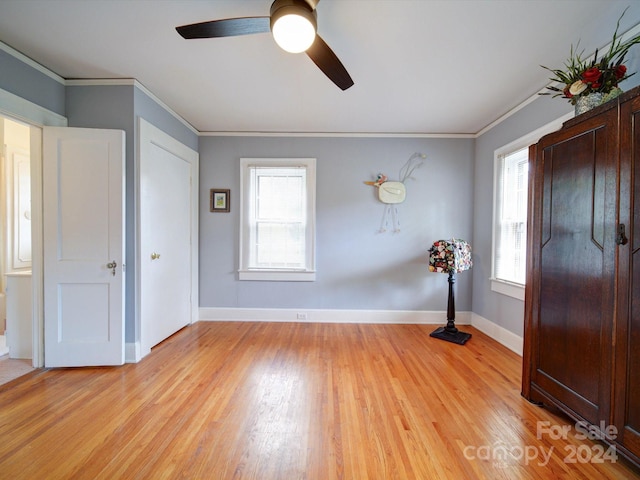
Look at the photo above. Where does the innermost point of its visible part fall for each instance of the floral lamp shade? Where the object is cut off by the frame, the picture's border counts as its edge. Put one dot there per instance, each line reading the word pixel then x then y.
pixel 450 256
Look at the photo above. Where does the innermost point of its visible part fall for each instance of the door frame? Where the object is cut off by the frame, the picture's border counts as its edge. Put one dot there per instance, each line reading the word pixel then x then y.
pixel 17 108
pixel 147 134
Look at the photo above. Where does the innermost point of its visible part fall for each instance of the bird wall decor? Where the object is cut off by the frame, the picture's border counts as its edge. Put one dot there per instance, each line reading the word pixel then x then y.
pixel 392 193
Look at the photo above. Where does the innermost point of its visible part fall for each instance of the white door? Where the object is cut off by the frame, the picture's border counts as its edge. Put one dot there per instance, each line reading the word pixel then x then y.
pixel 83 231
pixel 168 228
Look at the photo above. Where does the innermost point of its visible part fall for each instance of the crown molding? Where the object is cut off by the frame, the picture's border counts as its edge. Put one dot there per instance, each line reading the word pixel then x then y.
pixel 337 134
pixel 110 82
pixel 32 63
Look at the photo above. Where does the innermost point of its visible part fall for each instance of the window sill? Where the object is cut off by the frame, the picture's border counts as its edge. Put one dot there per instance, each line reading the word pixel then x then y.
pixel 506 288
pixel 277 275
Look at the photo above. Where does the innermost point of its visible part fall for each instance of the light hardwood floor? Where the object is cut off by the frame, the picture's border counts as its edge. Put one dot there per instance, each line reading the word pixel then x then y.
pixel 294 401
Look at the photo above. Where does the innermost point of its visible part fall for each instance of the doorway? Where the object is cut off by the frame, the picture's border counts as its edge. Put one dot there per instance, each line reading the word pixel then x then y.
pixel 15 261
pixel 16 322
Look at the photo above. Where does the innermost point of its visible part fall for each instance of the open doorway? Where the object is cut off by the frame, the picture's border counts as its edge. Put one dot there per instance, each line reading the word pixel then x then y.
pixel 16 333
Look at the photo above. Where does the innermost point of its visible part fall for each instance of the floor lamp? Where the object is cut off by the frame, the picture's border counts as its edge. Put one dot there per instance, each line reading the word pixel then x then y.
pixel 450 257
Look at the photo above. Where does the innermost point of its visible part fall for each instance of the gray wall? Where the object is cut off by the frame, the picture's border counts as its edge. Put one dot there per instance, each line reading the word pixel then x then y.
pixel 357 268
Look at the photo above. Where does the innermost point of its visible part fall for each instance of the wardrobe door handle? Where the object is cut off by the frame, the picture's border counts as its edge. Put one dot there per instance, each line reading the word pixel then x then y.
pixel 621 238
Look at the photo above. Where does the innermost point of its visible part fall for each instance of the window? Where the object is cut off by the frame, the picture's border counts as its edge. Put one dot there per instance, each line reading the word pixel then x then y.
pixel 510 236
pixel 277 224
pixel 510 186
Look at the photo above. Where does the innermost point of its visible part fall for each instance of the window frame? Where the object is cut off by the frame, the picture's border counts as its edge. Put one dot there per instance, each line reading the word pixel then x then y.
pixel 504 287
pixel 308 272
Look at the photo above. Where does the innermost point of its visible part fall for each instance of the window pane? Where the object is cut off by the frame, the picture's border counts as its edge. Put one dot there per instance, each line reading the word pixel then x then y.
pixel 280 197
pixel 279 221
pixel 511 209
pixel 280 245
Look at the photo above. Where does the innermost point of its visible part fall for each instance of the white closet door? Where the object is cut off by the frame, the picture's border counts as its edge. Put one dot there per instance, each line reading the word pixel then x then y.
pixel 168 229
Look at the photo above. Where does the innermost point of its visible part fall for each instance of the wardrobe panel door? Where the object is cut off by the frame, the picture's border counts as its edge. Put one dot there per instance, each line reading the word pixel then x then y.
pixel 576 267
pixel 627 411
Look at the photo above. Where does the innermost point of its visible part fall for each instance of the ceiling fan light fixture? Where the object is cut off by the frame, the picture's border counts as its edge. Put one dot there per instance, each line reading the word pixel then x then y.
pixel 298 15
pixel 293 25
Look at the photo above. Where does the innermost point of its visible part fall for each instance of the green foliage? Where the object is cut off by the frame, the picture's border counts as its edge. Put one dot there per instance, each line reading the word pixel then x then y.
pixel 581 77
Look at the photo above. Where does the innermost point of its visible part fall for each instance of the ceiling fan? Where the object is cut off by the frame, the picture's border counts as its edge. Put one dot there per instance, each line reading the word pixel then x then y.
pixel 293 25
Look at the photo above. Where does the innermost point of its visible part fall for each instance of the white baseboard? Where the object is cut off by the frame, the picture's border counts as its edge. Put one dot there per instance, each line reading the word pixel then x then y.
pixel 509 339
pixel 329 316
pixel 500 334
pixel 133 352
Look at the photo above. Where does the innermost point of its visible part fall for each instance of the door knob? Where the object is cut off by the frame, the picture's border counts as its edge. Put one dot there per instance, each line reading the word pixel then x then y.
pixel 112 266
pixel 155 256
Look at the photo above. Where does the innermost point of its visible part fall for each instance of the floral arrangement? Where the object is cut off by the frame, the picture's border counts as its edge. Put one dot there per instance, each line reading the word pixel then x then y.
pixel 601 75
pixel 450 256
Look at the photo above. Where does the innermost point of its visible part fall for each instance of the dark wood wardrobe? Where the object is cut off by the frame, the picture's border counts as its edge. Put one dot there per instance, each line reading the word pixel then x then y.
pixel 582 299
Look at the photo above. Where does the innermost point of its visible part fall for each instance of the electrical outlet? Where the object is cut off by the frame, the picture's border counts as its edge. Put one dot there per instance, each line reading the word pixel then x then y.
pixel 302 316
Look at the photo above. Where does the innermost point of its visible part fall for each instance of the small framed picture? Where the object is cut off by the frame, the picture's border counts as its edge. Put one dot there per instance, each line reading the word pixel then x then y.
pixel 219 200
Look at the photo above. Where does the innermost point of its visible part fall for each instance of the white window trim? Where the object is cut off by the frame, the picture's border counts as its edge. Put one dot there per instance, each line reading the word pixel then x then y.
pixel 282 275
pixel 509 289
pixel 503 287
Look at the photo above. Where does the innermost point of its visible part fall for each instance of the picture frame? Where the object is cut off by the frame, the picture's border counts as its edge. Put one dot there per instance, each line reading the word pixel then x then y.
pixel 219 200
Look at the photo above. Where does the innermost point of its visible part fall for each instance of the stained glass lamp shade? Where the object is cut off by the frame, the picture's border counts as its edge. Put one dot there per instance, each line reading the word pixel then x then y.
pixel 450 257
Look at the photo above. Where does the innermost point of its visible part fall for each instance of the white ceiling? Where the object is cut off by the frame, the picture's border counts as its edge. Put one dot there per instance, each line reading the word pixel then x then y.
pixel 419 66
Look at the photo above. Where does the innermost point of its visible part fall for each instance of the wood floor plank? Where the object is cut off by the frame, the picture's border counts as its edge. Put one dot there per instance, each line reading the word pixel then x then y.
pixel 230 400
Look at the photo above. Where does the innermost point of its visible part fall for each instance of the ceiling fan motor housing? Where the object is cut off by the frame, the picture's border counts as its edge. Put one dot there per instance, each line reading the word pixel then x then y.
pixel 280 8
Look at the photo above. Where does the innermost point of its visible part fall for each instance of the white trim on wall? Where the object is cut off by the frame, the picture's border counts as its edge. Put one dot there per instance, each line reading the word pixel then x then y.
pixel 28 112
pixel 507 288
pixel 336 134
pixel 500 334
pixel 307 315
pixel 32 63
pixel 110 82
pixel 132 352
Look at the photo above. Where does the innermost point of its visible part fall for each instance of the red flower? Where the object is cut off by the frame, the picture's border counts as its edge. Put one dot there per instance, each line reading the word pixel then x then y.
pixel 591 75
pixel 620 71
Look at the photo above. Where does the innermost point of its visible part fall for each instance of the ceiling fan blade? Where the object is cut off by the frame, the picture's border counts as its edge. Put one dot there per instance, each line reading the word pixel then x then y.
pixel 328 62
pixel 228 27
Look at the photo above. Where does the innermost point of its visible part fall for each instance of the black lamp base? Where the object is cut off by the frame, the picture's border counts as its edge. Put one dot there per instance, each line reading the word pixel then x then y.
pixel 450 333
pixel 457 337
